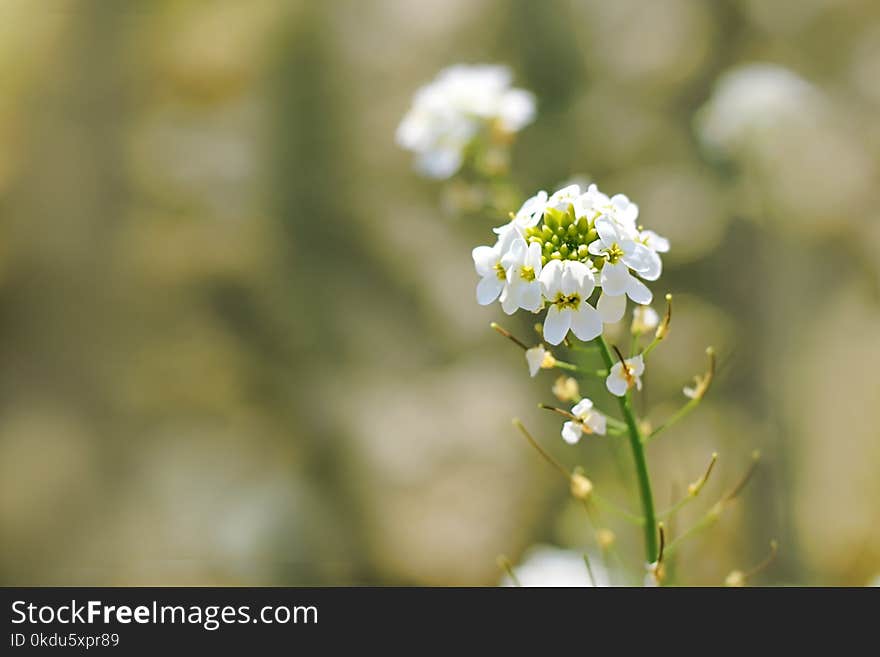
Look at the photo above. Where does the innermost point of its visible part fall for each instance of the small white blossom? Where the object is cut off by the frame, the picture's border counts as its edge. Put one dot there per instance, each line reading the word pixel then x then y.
pixel 489 266
pixel 567 285
pixel 621 378
pixel 523 266
pixel 622 253
pixel 644 319
pixel 588 421
pixel 539 358
pixel 531 212
pixel 561 199
pixel 450 112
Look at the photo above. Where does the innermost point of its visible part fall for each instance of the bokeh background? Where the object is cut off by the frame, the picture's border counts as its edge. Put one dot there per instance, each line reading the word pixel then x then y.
pixel 238 339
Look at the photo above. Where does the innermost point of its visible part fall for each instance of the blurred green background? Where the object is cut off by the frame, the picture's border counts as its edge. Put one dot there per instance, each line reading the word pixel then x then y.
pixel 238 337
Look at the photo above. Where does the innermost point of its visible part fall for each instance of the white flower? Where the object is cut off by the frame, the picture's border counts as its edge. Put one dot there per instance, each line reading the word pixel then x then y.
pixel 561 199
pixel 653 241
pixel 488 263
pixel 588 421
pixel 622 253
pixel 539 358
pixel 621 378
pixel 450 112
pixel 567 285
pixel 523 266
pixel 531 212
pixel 625 214
pixel 544 565
pixel 751 99
pixel 644 319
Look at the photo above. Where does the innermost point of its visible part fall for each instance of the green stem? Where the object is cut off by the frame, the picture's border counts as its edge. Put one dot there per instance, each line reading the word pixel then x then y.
pixel 638 451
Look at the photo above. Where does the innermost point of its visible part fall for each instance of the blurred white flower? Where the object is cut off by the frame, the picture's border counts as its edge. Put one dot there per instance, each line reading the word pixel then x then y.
pixel 544 565
pixel 644 319
pixel 589 421
pixel 450 112
pixel 539 358
pixel 621 378
pixel 750 99
pixel 567 285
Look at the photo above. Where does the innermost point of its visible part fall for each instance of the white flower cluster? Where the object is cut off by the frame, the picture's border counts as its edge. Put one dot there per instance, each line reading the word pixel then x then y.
pixel 751 99
pixel 558 249
pixel 462 102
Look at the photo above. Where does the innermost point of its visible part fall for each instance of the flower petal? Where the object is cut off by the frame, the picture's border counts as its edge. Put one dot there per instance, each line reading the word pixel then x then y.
pixel 581 408
pixel 597 423
pixel 611 308
pixel 508 303
pixel 534 357
pixel 528 296
pixel 551 278
pixel 653 267
pixel 584 278
pixel 654 241
pixel 571 432
pixel 484 259
pixel 607 230
pixel 596 248
pixel 556 325
pixel 533 257
pixel 488 289
pixel 586 322
pixel 636 365
pixel 615 278
pixel 616 384
pixel 638 291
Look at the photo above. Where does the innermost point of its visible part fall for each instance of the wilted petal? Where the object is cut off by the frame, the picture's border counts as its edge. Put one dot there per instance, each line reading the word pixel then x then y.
pixel 534 357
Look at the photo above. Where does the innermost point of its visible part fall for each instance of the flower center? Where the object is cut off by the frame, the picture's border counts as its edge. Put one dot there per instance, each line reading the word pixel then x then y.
pixel 527 273
pixel 499 271
pixel 583 419
pixel 615 253
pixel 567 302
